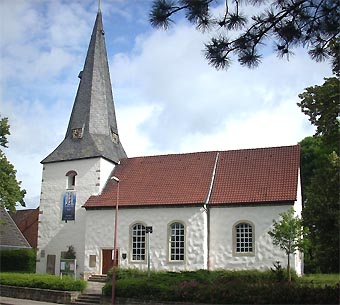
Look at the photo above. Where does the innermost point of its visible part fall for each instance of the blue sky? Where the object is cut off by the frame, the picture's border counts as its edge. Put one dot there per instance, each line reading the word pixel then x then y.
pixel 167 98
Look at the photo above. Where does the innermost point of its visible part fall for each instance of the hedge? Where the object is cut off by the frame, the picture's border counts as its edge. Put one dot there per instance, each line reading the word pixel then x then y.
pixel 19 260
pixel 42 281
pixel 219 287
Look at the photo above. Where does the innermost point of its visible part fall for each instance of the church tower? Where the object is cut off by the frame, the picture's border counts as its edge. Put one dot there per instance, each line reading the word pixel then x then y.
pixel 80 166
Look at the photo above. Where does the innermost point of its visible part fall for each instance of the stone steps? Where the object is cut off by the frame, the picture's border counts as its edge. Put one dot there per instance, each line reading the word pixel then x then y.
pixel 98 278
pixel 93 293
pixel 87 299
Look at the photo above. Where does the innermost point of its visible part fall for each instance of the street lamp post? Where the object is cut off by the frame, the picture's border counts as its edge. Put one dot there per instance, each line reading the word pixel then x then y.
pixel 148 230
pixel 115 244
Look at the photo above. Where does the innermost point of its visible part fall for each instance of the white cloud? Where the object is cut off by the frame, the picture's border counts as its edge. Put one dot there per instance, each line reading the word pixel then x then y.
pixel 274 127
pixel 13 31
pixel 194 101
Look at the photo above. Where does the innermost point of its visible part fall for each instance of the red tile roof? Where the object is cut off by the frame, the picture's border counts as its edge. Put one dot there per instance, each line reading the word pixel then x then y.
pixel 242 176
pixel 257 175
pixel 27 222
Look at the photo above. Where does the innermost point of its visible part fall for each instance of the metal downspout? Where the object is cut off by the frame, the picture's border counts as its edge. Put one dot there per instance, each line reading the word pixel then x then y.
pixel 206 208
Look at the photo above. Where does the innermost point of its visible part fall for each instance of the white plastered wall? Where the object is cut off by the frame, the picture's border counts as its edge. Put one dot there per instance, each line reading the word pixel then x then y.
pixel 100 232
pixel 54 235
pixel 298 256
pixel 221 237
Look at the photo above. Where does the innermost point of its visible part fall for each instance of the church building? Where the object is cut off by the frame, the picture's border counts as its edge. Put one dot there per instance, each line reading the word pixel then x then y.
pixel 201 210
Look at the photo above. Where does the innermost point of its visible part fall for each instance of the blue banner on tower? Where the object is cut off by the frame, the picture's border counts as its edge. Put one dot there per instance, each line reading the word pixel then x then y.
pixel 69 205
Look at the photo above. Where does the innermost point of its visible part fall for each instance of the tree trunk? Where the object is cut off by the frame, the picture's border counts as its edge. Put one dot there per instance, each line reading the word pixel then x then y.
pixel 288 266
pixel 288 269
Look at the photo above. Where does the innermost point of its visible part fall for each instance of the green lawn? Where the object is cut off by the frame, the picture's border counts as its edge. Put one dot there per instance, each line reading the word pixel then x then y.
pixel 320 280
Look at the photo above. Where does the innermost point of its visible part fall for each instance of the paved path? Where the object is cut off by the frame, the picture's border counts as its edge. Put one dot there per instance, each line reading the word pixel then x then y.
pixel 92 287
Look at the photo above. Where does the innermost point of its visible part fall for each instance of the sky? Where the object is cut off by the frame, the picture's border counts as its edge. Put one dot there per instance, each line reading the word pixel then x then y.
pixel 167 98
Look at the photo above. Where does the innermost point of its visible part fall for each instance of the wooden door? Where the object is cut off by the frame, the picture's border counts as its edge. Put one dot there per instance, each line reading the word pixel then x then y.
pixel 50 265
pixel 107 261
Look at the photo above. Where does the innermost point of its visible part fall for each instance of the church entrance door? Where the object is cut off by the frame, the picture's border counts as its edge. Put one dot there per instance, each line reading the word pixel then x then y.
pixel 107 260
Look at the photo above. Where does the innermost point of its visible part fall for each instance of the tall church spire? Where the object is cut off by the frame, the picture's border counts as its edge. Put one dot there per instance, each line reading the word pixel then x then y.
pixel 92 130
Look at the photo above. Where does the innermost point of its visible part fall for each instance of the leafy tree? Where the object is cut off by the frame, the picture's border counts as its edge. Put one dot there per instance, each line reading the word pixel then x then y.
pixel 313 24
pixel 335 55
pixel 313 155
pixel 320 175
pixel 321 215
pixel 10 189
pixel 289 234
pixel 4 131
pixel 322 105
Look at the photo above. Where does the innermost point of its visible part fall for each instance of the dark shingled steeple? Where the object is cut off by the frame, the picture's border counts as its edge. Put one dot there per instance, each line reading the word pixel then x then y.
pixel 92 130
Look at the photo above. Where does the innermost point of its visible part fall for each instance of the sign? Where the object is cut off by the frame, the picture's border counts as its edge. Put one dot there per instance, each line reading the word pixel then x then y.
pixel 69 205
pixel 68 267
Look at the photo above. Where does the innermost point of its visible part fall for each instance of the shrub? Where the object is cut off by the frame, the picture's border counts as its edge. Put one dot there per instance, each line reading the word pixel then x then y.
pixel 20 260
pixel 219 287
pixel 126 273
pixel 42 281
pixel 280 274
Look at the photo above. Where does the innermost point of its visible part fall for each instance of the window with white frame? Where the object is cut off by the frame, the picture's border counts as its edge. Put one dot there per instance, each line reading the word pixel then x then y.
pixel 177 242
pixel 138 242
pixel 244 238
pixel 71 180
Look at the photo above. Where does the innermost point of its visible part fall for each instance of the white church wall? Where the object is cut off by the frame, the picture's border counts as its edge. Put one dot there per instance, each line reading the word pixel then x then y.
pixel 100 232
pixel 106 167
pixel 54 235
pixel 298 261
pixel 223 219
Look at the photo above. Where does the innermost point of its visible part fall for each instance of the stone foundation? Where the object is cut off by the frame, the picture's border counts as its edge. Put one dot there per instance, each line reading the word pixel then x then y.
pixel 43 295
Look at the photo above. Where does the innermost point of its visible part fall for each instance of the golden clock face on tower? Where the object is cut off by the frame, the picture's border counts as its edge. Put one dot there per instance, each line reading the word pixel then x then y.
pixel 77 133
pixel 114 137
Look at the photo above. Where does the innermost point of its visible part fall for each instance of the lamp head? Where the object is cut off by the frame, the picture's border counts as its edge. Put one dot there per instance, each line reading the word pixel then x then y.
pixel 115 179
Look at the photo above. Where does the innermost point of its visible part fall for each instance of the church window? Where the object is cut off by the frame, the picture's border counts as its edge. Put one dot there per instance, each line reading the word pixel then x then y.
pixel 176 242
pixel 243 238
pixel 71 180
pixel 138 242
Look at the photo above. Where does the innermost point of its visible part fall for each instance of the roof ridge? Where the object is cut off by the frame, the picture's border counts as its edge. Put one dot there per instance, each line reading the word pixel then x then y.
pixel 212 151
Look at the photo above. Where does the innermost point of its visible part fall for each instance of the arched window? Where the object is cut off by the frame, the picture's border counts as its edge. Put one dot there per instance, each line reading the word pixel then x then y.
pixel 71 180
pixel 244 235
pixel 138 242
pixel 176 242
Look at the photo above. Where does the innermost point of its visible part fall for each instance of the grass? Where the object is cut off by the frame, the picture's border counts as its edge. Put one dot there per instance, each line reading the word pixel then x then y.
pixel 320 280
pixel 43 281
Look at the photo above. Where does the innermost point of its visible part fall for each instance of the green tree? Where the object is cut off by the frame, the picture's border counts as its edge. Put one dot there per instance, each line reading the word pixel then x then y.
pixel 321 216
pixel 312 24
pixel 320 175
pixel 10 190
pixel 313 155
pixel 4 131
pixel 289 234
pixel 322 105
